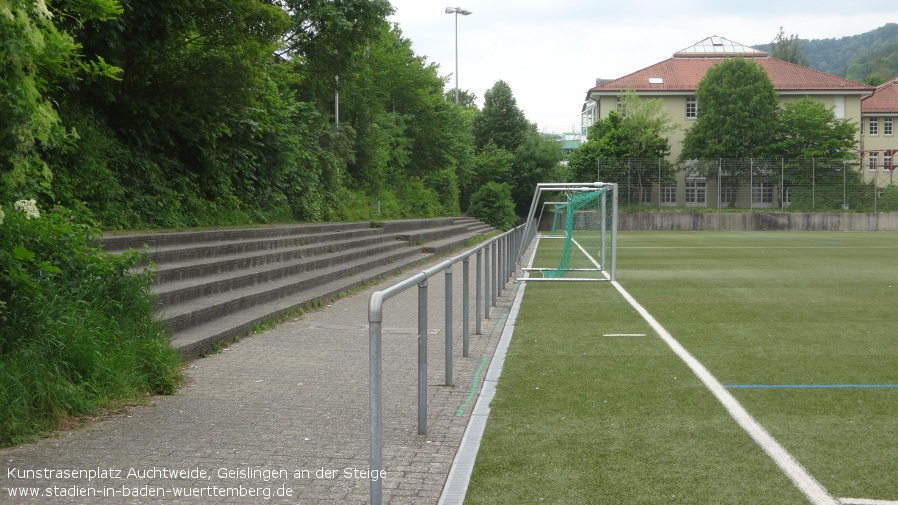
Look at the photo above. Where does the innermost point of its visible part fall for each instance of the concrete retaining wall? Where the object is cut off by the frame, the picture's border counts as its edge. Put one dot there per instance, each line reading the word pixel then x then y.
pixel 757 221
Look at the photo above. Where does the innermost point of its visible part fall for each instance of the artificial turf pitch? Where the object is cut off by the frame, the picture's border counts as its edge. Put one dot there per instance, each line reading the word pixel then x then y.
pixel 586 412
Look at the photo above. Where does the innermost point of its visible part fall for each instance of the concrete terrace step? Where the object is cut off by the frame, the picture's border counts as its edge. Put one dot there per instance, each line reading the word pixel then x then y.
pixel 201 252
pixel 218 280
pixel 199 310
pixel 192 342
pixel 289 250
pixel 116 243
pixel 215 286
pixel 446 245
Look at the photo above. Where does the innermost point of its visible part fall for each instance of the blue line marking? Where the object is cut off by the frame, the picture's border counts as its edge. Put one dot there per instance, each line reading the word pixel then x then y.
pixel 811 386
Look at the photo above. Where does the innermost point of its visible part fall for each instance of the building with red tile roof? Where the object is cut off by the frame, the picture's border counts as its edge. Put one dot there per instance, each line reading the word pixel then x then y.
pixel 879 145
pixel 675 80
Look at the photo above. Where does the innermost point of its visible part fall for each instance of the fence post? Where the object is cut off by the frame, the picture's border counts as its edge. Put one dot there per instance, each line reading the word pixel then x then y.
pixel 719 183
pixel 844 179
pixel 422 358
pixel 751 183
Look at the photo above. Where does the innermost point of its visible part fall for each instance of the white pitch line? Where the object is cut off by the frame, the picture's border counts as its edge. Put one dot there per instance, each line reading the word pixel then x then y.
pixel 864 501
pixel 802 479
pixel 624 335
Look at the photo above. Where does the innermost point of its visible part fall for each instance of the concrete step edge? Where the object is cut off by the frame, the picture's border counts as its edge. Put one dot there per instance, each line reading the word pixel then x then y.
pixel 193 342
pixel 201 310
pixel 195 287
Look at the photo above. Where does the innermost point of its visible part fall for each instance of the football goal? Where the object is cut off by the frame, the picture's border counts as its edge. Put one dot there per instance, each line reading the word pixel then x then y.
pixel 577 232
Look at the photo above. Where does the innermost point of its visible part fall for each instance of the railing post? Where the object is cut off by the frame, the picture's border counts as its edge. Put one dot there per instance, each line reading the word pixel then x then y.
pixel 375 393
pixel 487 292
pixel 422 358
pixel 465 306
pixel 448 314
pixel 495 273
pixel 478 276
pixel 500 266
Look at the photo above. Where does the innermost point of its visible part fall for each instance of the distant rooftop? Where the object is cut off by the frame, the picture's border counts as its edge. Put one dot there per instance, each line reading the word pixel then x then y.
pixel 884 100
pixel 685 69
pixel 718 46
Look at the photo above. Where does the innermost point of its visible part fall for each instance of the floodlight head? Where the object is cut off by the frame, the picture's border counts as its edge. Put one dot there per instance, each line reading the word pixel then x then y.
pixel 457 10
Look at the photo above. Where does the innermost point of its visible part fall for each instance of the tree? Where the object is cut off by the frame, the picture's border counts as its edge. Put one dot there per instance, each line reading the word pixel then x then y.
pixel 501 121
pixel 493 205
pixel 325 36
pixel 37 58
pixel 466 98
pixel 880 71
pixel 807 128
pixel 639 134
pixel 737 113
pixel 787 49
pixel 535 160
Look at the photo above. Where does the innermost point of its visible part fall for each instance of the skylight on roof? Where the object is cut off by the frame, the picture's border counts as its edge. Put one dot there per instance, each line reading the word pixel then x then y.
pixel 719 45
pixel 656 80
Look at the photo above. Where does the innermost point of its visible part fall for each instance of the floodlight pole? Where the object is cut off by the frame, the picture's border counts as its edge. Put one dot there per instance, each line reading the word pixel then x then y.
pixel 463 12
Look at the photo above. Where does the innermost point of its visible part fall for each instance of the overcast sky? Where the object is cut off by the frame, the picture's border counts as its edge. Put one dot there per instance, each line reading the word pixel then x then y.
pixel 551 52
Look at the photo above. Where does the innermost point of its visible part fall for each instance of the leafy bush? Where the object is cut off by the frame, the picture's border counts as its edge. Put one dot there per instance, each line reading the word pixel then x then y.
pixel 492 204
pixel 888 202
pixel 77 330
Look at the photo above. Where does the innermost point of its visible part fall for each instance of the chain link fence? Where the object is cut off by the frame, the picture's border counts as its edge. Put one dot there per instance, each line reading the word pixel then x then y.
pixel 789 185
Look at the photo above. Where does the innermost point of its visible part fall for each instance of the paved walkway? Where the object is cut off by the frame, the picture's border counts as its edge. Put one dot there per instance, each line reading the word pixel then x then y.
pixel 281 417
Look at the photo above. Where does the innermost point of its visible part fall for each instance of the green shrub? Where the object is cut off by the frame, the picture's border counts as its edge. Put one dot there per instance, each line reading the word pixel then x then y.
pixel 888 202
pixel 493 205
pixel 77 331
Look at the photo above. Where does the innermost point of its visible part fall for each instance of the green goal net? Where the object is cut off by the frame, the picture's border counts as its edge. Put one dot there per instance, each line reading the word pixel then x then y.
pixel 576 236
pixel 583 207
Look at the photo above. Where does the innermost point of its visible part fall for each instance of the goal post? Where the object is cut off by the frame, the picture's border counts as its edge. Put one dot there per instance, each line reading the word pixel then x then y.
pixel 585 221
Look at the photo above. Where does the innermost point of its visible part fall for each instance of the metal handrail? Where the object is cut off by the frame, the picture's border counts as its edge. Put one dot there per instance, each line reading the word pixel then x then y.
pixel 506 250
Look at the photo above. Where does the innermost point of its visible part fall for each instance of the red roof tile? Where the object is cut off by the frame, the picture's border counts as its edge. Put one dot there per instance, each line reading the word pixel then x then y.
pixel 883 100
pixel 684 74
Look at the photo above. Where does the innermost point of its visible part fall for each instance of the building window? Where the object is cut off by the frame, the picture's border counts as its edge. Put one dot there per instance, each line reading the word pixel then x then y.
pixel 645 194
pixel 887 161
pixel 874 126
pixel 695 191
pixel 839 107
pixel 727 194
pixel 887 126
pixel 874 158
pixel 691 108
pixel 669 194
pixel 762 194
pixel 588 119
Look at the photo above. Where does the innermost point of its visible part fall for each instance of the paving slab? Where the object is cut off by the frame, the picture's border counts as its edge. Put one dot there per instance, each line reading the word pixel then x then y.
pixel 280 417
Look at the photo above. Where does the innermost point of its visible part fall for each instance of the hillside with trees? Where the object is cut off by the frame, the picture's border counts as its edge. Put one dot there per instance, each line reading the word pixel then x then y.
pixel 870 57
pixel 175 113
